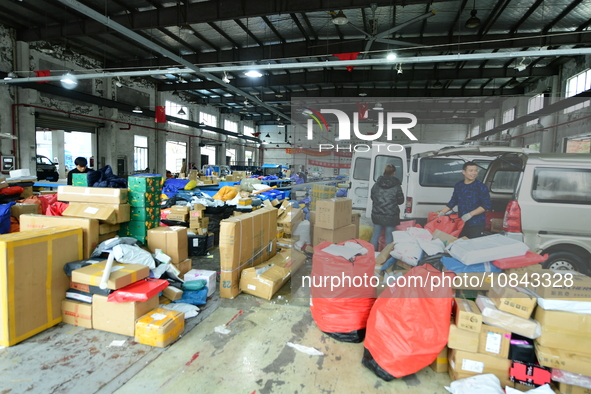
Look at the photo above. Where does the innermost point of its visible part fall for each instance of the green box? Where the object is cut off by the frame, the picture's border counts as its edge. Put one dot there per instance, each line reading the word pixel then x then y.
pixel 144 200
pixel 138 228
pixel 142 214
pixel 80 180
pixel 145 183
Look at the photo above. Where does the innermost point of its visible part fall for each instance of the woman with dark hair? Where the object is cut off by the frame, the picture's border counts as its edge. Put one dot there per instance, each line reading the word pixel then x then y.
pixel 386 195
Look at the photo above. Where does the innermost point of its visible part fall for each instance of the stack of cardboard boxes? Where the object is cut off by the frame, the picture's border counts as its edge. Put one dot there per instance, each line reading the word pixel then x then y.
pixel 200 239
pixel 173 242
pixel 144 198
pixel 288 220
pixel 333 221
pixel 321 192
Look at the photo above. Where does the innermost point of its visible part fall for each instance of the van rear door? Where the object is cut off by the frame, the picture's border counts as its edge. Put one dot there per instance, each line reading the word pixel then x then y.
pixel 383 154
pixel 359 189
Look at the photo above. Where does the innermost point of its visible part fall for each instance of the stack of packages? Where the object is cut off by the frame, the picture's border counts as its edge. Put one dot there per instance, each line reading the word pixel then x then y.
pixel 333 221
pixel 127 306
pixel 321 192
pixel 171 241
pixel 200 240
pixel 564 312
pixel 355 220
pixel 144 198
pixel 275 197
pixel 288 220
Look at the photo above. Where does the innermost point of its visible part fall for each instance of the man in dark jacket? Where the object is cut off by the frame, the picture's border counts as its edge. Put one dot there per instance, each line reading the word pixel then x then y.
pixel 81 168
pixel 386 195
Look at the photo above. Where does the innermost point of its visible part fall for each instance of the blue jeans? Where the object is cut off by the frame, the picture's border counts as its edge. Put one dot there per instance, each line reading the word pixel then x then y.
pixel 377 231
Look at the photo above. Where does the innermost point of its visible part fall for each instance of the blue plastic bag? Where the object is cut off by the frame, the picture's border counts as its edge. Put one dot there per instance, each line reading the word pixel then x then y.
pixel 198 297
pixel 458 267
pixel 5 217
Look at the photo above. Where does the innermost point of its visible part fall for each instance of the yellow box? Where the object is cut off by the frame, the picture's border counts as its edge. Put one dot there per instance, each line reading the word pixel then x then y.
pixel 160 327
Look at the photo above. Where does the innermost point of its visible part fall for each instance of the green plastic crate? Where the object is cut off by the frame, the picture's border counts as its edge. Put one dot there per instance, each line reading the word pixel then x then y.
pixel 145 184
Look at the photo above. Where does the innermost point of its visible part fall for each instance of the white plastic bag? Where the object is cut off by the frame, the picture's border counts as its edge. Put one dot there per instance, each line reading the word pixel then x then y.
pixel 432 247
pixel 133 254
pixel 420 234
pixel 478 384
pixel 303 230
pixel 408 252
pixel 188 309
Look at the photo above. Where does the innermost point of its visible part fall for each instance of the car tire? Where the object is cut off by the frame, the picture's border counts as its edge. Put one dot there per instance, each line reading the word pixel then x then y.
pixel 55 176
pixel 565 261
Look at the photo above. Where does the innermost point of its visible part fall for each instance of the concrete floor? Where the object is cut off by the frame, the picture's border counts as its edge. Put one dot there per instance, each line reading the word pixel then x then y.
pixel 252 358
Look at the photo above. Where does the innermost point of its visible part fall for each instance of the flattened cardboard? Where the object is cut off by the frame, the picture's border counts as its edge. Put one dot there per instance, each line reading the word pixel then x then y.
pixel 119 317
pixel 77 313
pixel 101 195
pixel 90 228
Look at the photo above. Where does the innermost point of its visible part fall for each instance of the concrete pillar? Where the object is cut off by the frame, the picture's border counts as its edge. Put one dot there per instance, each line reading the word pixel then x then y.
pixel 57 147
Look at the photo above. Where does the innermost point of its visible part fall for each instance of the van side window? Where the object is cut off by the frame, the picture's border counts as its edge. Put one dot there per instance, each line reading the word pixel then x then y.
pixel 562 185
pixel 435 172
pixel 504 181
pixel 382 161
pixel 361 171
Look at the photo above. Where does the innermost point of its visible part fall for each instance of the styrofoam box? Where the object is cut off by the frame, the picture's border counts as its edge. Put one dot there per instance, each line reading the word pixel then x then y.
pixel 208 276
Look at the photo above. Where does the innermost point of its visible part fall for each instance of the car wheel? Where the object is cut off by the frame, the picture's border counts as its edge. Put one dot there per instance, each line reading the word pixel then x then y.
pixel 55 177
pixel 564 261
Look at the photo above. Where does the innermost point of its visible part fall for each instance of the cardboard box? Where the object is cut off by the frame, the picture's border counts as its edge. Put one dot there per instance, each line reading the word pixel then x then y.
pixel 333 213
pixel 384 254
pixel 565 340
pixel 142 214
pixel 104 237
pixel 77 313
pixel 266 279
pixel 491 315
pixel 145 183
pixel 19 209
pixel 90 228
pixel 494 341
pixel 356 220
pixel 121 274
pixel 144 200
pixel 440 364
pixel 102 212
pixel 513 300
pixel 33 283
pixel 27 192
pixel 173 241
pixel 119 317
pixel 245 241
pixel 160 327
pixel 3 183
pixel 566 360
pixel 462 339
pixel 101 195
pixel 207 276
pixel 467 315
pixel 172 293
pixel 184 266
pixel 466 364
pixel 334 236
pixel 287 242
pixel 180 209
pixel 580 289
pixel 444 237
pixel 567 322
pixel 496 225
pixel 178 216
pixel 106 228
pixel 289 222
pixel 571 389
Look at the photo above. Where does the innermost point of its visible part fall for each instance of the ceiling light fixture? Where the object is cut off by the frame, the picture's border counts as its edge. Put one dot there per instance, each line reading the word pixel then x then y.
pixel 118 82
pixel 181 112
pixel 137 110
pixel 521 66
pixel 46 48
pixel 225 79
pixel 378 107
pixel 473 22
pixel 340 19
pixel 362 94
pixel 437 85
pixel 281 125
pixel 10 76
pixel 253 74
pixel 69 81
pixel 399 68
pixel 391 56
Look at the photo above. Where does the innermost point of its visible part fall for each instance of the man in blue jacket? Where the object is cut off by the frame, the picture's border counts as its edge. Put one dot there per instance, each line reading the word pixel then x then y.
pixel 473 200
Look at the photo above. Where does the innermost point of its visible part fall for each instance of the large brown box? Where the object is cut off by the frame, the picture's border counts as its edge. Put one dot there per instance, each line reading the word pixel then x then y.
pixel 290 219
pixel 77 313
pixel 333 213
pixel 494 341
pixel 579 289
pixel 509 299
pixel 334 236
pixel 464 364
pixel 567 360
pixel 32 280
pixel 173 241
pixel 23 209
pixel 90 228
pixel 467 315
pixel 106 228
pixel 356 220
pixel 571 389
pixel 245 241
pixel 102 212
pixel 101 195
pixel 119 317
pixel 462 339
pixel 564 330
pixel 121 274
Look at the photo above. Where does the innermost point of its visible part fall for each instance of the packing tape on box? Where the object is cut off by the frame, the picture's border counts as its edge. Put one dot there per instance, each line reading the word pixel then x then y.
pixel 249 262
pixel 99 275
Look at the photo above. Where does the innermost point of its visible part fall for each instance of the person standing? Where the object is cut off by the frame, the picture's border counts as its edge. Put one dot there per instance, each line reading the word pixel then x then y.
pixel 473 200
pixel 81 168
pixel 386 195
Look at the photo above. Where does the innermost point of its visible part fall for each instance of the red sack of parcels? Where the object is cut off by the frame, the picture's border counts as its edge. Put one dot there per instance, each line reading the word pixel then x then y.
pixel 406 224
pixel 447 224
pixel 46 200
pixel 408 325
pixel 141 290
pixel 341 311
pixel 434 215
pixel 10 190
pixel 530 258
pixel 56 209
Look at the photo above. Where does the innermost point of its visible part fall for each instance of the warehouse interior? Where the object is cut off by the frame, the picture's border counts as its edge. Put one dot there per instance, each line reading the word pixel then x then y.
pixel 150 86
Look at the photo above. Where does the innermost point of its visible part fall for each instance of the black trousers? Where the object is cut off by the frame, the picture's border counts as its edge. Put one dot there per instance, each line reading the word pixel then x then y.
pixel 473 231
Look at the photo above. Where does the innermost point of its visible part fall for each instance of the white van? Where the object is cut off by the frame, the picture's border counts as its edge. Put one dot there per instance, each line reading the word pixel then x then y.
pixel 427 182
pixel 546 198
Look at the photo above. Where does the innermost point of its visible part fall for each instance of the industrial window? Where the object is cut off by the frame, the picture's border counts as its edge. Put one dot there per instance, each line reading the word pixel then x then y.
pixel 575 85
pixel 508 116
pixel 504 181
pixel 208 119
pixel 534 104
pixel 490 124
pixel 562 185
pixel 248 130
pixel 475 131
pixel 140 153
pixel 230 126
pixel 178 111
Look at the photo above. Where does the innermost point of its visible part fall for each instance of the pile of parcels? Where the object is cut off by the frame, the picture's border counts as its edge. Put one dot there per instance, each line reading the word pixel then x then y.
pixel 501 316
pixel 48 281
pixel 334 221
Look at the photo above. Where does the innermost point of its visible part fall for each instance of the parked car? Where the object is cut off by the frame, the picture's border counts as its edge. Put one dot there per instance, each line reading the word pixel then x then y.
pixel 46 169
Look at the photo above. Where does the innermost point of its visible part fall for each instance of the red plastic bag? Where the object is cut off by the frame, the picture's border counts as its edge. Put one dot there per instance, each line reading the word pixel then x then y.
pixel 56 209
pixel 141 290
pixel 344 308
pixel 408 326
pixel 404 225
pixel 10 190
pixel 46 200
pixel 530 258
pixel 447 224
pixel 15 226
